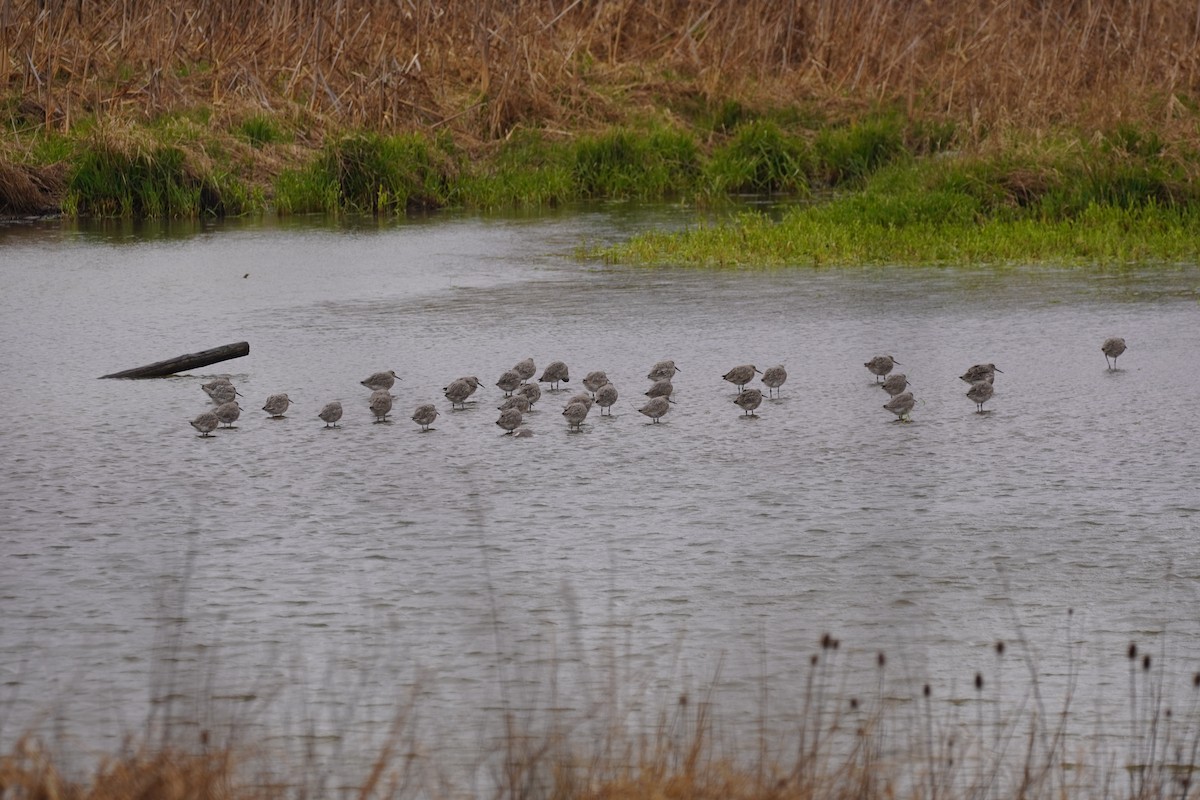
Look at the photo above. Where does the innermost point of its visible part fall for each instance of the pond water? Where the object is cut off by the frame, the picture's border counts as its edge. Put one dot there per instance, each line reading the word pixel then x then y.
pixel 301 584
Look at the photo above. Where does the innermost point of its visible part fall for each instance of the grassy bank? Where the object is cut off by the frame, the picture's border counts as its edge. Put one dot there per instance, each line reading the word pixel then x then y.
pixel 194 108
pixel 879 188
pixel 187 166
pixel 1095 203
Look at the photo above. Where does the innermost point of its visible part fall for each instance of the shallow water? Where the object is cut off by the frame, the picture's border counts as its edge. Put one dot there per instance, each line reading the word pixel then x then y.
pixel 309 580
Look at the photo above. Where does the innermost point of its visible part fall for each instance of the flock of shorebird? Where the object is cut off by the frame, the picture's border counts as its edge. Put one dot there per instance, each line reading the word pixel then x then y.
pixel 520 393
pixel 981 377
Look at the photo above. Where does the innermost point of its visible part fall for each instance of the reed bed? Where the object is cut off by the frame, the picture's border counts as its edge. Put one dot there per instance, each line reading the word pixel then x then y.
pixel 485 67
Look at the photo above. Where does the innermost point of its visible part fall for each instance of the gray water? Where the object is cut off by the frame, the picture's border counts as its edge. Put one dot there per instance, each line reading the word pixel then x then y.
pixel 303 584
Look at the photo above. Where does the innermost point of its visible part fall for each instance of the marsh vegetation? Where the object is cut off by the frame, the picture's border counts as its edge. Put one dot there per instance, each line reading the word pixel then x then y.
pixel 1000 734
pixel 1007 130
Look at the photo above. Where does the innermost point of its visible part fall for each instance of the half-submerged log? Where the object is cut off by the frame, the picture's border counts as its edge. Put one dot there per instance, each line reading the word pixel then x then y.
pixel 161 369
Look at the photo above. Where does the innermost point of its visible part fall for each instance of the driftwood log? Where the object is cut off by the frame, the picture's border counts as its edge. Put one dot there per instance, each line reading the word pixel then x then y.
pixel 161 369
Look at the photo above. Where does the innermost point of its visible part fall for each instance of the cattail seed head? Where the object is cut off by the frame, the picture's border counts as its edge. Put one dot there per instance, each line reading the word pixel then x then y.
pixel 926 690
pixel 853 702
pixel 1196 681
pixel 999 648
pixel 979 681
pixel 881 660
pixel 1146 662
pixel 1132 651
pixel 826 641
pixel 813 659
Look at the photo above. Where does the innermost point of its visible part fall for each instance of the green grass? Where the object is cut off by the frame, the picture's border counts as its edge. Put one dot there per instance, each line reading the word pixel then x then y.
pixel 111 183
pixel 891 189
pixel 369 173
pixel 627 165
pixel 1101 205
pixel 141 179
pixel 261 130
pixel 836 235
pixel 853 152
pixel 760 159
pixel 526 172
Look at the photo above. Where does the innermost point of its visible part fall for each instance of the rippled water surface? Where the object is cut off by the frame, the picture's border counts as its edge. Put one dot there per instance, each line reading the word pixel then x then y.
pixel 311 580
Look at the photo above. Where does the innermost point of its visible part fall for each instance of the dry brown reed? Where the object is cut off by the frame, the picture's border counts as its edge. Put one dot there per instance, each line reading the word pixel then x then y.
pixel 31 772
pixel 882 746
pixel 30 189
pixel 485 67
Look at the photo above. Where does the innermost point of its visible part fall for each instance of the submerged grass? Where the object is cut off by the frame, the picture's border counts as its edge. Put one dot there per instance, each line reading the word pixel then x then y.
pixel 907 234
pixel 1093 205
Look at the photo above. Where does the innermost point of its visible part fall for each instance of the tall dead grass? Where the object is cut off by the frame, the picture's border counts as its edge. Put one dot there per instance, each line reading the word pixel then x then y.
pixel 485 67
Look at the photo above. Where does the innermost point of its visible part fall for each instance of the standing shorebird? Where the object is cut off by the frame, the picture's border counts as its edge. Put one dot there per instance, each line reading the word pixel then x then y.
pixel 228 413
pixel 458 391
pixel 425 415
pixel 583 397
pixel 740 376
pixel 901 405
pixel 517 401
pixel 979 393
pixel 656 408
pixel 221 393
pixel 773 378
pixel 594 381
pixel 663 371
pixel 1112 348
pixel 220 390
pixel 381 404
pixel 895 383
pixel 206 423
pixel 277 405
pixel 554 374
pixel 525 369
pixel 531 391
pixel 216 382
pixel 748 400
pixel 606 395
pixel 880 365
pixel 330 414
pixel 661 388
pixel 981 372
pixel 575 412
pixel 510 420
pixel 380 380
pixel 509 382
